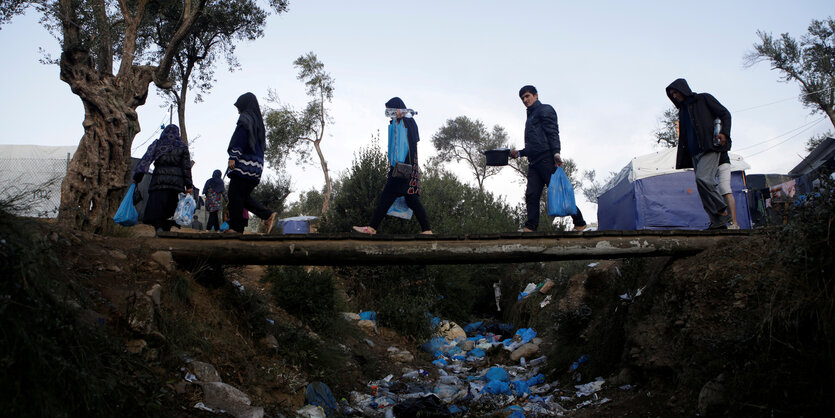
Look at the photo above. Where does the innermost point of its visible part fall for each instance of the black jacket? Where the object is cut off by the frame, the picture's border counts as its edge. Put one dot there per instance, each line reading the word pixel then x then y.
pixel 542 134
pixel 703 109
pixel 172 171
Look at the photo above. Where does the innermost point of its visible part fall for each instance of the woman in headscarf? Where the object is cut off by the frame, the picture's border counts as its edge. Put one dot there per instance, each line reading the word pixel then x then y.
pixel 172 176
pixel 396 187
pixel 214 191
pixel 246 162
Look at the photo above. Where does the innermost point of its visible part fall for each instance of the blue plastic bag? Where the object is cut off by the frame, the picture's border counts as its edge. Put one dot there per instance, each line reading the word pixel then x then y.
pixel 561 195
pixel 185 209
pixel 127 215
pixel 224 226
pixel 319 394
pixel 399 209
pixel 398 143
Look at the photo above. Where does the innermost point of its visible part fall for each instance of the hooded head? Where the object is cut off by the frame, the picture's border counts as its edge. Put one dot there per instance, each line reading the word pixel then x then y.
pixel 251 120
pixel 395 103
pixel 215 183
pixel 680 86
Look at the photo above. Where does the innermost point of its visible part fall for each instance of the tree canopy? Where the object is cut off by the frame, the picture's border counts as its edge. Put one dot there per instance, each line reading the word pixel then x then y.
pixel 465 140
pixel 809 61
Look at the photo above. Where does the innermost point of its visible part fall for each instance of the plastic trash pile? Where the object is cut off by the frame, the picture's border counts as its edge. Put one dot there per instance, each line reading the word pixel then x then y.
pixel 464 384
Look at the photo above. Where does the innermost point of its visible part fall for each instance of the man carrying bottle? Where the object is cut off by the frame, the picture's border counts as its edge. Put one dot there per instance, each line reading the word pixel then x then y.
pixel 699 148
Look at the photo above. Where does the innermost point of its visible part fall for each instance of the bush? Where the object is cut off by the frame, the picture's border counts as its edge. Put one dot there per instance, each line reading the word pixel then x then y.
pixel 308 295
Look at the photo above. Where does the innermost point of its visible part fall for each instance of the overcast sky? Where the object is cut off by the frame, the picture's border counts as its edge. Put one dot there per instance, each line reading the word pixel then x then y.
pixel 603 65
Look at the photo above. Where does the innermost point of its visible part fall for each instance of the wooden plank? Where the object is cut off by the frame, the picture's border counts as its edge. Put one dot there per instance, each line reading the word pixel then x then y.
pixel 407 249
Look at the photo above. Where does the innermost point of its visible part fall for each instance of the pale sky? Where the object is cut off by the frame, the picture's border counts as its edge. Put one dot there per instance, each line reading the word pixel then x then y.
pixel 603 65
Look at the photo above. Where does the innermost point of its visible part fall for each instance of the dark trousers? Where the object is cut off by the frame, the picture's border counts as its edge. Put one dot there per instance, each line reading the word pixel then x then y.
pixel 160 208
pixel 394 189
pixel 214 222
pixel 539 175
pixel 240 199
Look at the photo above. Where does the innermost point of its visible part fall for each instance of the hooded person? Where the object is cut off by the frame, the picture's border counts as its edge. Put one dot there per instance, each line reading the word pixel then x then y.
pixel 215 191
pixel 246 163
pixel 395 186
pixel 172 176
pixel 697 147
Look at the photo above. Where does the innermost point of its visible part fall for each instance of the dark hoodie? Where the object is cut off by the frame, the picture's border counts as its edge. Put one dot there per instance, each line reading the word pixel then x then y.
pixel 542 134
pixel 696 115
pixel 411 129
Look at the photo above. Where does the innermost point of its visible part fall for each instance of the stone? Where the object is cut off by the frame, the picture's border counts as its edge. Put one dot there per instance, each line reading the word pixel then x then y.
pixel 118 255
pixel 219 395
pixel 712 397
pixel 350 316
pixel 269 341
pixel 204 372
pixel 164 258
pixel 467 345
pixel 155 294
pixel 141 317
pixel 402 356
pixel 136 346
pixel 451 331
pixel 368 326
pixel 526 350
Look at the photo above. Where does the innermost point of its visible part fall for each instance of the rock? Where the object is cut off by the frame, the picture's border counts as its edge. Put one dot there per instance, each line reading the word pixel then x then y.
pixel 368 326
pixel 118 255
pixel 164 258
pixel 350 316
pixel 402 356
pixel 526 350
pixel 180 387
pixel 204 372
pixel 712 397
pixel 218 395
pixel 136 346
pixel 155 294
pixel 451 331
pixel 623 378
pixel 269 341
pixel 467 345
pixel 141 317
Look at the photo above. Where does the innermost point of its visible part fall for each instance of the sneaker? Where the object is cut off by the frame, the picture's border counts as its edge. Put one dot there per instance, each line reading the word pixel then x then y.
pixel 365 230
pixel 271 221
pixel 580 228
pixel 733 225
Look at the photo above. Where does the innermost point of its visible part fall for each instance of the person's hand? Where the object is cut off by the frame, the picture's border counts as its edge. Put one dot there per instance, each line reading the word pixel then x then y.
pixel 722 139
pixel 557 160
pixel 231 164
pixel 514 153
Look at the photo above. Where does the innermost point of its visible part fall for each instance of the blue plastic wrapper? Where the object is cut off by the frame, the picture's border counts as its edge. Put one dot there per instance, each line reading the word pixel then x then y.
pixel 473 327
pixel 369 315
pixel 540 378
pixel 520 387
pixel 497 387
pixel 476 352
pixel 440 362
pixel 497 373
pixel 527 334
pixel 433 345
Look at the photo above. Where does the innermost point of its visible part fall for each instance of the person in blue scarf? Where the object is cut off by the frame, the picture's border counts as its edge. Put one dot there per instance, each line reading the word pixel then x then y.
pixel 396 187
pixel 215 190
pixel 172 176
pixel 246 163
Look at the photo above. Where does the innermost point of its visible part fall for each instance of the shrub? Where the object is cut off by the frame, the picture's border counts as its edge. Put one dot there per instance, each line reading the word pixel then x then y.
pixel 308 295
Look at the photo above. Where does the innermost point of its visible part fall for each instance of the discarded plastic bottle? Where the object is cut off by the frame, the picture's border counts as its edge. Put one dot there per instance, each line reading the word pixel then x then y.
pixel 538 360
pixel 717 127
pixel 406 113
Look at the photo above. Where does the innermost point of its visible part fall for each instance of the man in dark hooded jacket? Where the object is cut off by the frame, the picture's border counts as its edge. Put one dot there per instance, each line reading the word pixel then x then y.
pixel 542 147
pixel 697 147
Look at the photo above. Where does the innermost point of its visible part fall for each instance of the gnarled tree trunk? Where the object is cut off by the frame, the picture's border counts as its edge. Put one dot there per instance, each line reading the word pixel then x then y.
pixel 98 174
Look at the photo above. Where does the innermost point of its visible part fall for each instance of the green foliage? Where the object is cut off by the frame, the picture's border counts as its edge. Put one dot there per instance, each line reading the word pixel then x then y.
pixel 814 141
pixel 272 192
pixel 810 62
pixel 309 204
pixel 356 192
pixel 464 140
pixel 308 295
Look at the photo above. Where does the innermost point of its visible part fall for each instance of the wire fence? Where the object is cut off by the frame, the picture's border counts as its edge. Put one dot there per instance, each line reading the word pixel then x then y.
pixel 32 186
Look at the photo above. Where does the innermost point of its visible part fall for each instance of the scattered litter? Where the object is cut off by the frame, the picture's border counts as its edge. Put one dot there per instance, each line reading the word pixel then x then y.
pixel 590 388
pixel 238 285
pixel 593 265
pixel 545 302
pixel 201 406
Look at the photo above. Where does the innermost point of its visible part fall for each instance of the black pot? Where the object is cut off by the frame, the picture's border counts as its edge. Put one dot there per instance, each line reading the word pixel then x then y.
pixel 497 157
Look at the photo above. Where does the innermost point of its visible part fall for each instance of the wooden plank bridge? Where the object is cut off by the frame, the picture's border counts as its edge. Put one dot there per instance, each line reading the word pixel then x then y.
pixel 380 249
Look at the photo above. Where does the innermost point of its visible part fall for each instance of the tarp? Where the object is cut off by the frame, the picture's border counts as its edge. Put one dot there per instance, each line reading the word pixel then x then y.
pixel 649 193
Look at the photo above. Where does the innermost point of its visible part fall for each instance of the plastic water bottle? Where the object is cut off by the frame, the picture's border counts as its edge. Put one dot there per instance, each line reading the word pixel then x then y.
pixel 407 113
pixel 717 126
